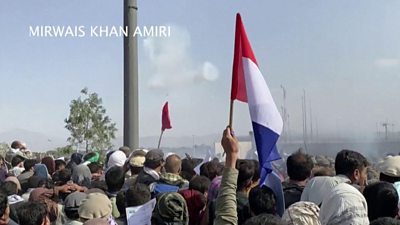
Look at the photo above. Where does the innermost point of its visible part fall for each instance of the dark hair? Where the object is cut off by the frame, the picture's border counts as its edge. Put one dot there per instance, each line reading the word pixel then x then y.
pixel 390 179
pixel 385 221
pixel 137 195
pixel 382 200
pixel 347 161
pixel 16 160
pixel 61 177
pixel 9 188
pixel 32 213
pixel 246 173
pixel 99 184
pixel 16 144
pixel 299 166
pixel 121 202
pixel 94 167
pixel 200 183
pixel 188 166
pixel 210 169
pixel 265 218
pixel 115 178
pixel 262 200
pixel 59 163
pixel 256 175
pixel 36 181
pixel 29 163
pixel 3 202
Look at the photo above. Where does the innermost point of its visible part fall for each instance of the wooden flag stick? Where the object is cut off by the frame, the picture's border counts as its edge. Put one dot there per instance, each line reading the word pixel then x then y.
pixel 231 114
pixel 159 140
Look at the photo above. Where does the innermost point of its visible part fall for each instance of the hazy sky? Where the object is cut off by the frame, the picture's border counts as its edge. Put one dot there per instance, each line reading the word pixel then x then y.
pixel 345 54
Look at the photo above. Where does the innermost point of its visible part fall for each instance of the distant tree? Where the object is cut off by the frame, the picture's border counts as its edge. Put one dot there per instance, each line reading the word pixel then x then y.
pixel 4 147
pixel 88 123
pixel 65 151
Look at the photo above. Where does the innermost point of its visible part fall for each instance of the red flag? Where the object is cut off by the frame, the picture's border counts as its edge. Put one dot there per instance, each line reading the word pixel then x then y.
pixel 242 49
pixel 166 122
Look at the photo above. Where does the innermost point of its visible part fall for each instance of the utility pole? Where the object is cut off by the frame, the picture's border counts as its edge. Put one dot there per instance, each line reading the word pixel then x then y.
pixel 131 86
pixel 304 110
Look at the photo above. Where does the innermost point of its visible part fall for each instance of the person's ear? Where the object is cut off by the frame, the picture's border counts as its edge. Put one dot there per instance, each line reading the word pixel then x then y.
pixel 356 174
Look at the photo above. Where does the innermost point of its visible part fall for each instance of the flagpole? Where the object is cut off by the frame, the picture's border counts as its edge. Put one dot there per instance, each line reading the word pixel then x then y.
pixel 231 114
pixel 159 140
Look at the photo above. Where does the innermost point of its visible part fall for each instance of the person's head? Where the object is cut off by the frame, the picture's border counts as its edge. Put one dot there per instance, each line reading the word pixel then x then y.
pixel 61 177
pixel 60 164
pixel 50 164
pixel 115 178
pixel 17 145
pixel 137 195
pixel 10 188
pixel 353 165
pixel 17 161
pixel 302 213
pixel 33 213
pixel 200 183
pixel 154 159
pixel 390 169
pixel 382 200
pixel 299 166
pixel 170 208
pixel 262 200
pixel 125 149
pixel 36 181
pixel 72 203
pixel 95 205
pixel 263 219
pixel 4 209
pixel 246 173
pixel 76 158
pixel 188 166
pixel 210 169
pixel 92 157
pixel 116 158
pixel 136 162
pixel 385 221
pixel 29 164
pixel 95 168
pixel 173 164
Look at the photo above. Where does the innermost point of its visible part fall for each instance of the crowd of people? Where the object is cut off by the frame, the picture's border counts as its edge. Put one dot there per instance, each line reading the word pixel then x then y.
pixel 93 188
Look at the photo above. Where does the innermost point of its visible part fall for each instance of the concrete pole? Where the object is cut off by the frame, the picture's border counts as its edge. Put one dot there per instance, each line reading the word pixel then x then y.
pixel 131 87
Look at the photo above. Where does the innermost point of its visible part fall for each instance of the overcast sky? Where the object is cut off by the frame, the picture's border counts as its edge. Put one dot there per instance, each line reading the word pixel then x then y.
pixel 344 54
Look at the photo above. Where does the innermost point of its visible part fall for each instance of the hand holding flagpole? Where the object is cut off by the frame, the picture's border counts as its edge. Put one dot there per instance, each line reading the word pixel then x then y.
pixel 165 122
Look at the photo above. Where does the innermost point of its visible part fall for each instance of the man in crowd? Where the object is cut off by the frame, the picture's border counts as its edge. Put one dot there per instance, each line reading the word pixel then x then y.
pixel 154 162
pixel 299 167
pixel 351 167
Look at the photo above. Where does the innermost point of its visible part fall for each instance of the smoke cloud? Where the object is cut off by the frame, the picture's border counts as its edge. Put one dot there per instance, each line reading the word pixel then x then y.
pixel 172 65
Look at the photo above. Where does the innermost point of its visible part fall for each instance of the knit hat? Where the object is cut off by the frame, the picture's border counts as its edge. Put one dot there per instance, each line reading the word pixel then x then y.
pixel 96 205
pixel 302 213
pixel 171 207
